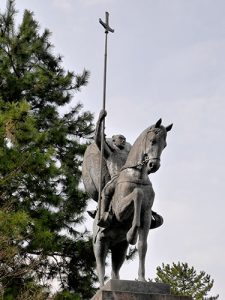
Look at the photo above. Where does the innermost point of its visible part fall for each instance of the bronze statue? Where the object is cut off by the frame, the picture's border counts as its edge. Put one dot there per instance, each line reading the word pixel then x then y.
pixel 130 196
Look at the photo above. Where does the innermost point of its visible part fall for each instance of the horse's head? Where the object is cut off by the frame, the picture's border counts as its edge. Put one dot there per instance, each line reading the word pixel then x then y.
pixel 147 148
pixel 154 143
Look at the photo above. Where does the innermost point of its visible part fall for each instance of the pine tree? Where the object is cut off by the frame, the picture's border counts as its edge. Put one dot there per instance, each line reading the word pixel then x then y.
pixel 18 137
pixel 185 281
pixel 41 155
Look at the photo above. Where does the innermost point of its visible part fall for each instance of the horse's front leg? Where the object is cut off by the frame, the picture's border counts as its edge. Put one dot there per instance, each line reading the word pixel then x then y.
pixel 131 204
pixel 132 234
pixel 142 244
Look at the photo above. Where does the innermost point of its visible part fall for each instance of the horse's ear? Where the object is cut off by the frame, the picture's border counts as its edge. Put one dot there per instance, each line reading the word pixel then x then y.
pixel 158 123
pixel 168 128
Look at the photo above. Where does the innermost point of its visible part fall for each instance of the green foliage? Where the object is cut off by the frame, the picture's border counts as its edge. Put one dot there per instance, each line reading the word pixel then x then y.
pixel 41 151
pixel 185 281
pixel 17 279
pixel 66 295
pixel 30 290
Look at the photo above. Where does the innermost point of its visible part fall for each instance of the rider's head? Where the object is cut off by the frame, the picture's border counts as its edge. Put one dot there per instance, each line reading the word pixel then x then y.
pixel 119 140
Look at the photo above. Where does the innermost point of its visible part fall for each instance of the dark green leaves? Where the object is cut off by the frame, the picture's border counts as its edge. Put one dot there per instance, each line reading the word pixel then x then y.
pixel 40 165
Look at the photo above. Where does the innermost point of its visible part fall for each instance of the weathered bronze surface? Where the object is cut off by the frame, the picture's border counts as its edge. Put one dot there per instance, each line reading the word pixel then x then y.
pixel 127 197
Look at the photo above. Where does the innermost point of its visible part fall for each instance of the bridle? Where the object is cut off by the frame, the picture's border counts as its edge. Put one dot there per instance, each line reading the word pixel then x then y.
pixel 146 158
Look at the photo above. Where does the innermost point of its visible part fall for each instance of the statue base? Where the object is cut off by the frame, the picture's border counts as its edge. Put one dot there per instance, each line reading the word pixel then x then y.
pixel 135 290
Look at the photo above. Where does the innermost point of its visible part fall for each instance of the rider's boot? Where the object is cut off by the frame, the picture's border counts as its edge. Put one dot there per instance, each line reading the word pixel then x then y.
pixel 106 215
pixel 156 221
pixel 105 220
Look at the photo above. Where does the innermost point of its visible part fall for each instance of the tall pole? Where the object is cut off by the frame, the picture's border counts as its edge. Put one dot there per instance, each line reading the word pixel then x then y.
pixel 107 30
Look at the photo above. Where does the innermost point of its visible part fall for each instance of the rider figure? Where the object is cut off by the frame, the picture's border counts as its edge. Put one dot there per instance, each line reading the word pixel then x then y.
pixel 115 154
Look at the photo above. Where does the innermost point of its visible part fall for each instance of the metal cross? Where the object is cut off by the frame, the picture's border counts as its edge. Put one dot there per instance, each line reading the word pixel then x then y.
pixel 106 24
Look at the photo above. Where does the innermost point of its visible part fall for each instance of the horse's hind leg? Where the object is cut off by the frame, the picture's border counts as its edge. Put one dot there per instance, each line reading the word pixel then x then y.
pixel 118 256
pixel 100 247
pixel 142 244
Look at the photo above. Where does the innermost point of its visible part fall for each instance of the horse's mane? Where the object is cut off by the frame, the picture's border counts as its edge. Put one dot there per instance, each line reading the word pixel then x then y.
pixel 136 153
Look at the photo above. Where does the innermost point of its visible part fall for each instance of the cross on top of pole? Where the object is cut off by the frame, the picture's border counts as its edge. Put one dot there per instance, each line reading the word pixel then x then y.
pixel 106 23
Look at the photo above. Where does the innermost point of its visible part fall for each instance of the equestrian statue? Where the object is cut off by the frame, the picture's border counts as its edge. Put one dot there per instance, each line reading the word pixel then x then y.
pixel 127 196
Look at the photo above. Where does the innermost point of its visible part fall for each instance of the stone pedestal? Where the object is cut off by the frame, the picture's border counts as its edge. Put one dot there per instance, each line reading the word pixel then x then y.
pixel 135 290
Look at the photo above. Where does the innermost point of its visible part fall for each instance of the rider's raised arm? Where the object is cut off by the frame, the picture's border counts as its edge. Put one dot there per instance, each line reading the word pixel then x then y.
pixel 97 137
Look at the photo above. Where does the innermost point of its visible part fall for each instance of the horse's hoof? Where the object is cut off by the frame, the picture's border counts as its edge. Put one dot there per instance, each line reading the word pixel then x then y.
pixel 132 235
pixel 142 279
pixel 101 286
pixel 113 276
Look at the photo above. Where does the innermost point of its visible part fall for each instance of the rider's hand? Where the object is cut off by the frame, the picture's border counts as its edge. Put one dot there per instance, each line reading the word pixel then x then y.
pixel 103 114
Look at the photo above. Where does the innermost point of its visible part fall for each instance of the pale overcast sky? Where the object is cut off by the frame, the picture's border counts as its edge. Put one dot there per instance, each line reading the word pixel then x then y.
pixel 166 59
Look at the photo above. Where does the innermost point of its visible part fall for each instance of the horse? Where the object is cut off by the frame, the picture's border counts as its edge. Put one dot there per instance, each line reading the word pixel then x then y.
pixel 131 204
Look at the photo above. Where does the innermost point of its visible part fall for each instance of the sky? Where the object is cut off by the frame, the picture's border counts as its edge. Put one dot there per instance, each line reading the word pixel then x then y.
pixel 166 59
